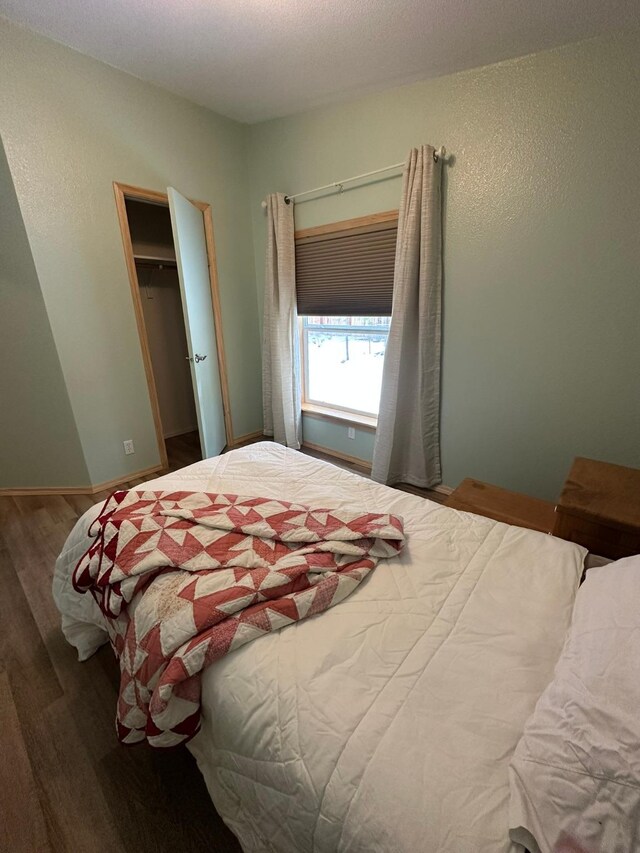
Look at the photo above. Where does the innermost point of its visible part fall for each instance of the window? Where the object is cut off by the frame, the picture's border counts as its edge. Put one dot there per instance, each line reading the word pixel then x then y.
pixel 342 359
pixel 344 287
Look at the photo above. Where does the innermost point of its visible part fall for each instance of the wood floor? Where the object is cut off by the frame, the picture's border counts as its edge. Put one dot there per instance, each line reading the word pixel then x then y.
pixel 65 782
pixel 431 494
pixel 183 450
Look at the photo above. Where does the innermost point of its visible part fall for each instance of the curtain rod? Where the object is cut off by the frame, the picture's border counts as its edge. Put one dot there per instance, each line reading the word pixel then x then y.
pixel 440 152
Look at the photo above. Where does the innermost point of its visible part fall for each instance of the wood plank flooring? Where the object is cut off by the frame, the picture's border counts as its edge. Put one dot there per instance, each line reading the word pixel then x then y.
pixel 183 450
pixel 66 784
pixel 430 494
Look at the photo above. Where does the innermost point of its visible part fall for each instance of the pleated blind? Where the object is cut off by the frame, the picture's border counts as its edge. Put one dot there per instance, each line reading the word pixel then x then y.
pixel 347 272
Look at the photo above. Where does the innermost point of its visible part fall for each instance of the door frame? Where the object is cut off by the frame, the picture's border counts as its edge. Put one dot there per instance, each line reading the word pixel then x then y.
pixel 123 192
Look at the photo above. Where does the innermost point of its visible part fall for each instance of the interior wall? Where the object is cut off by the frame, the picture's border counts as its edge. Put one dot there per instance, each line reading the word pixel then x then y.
pixel 71 126
pixel 164 323
pixel 541 351
pixel 35 412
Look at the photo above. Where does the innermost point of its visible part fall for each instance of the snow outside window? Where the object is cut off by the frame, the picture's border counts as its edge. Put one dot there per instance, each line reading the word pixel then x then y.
pixel 342 359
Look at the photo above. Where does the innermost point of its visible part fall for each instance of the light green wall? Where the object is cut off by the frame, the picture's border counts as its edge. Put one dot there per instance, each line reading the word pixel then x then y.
pixel 541 353
pixel 71 126
pixel 35 413
pixel 334 436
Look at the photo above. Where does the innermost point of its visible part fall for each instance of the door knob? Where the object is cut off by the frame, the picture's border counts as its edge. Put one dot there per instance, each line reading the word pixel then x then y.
pixel 200 358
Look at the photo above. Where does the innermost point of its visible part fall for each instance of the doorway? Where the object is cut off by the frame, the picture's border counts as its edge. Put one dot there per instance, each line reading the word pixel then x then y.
pixel 170 256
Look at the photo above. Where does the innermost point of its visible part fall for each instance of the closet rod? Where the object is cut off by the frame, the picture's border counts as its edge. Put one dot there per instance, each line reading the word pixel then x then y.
pixel 437 154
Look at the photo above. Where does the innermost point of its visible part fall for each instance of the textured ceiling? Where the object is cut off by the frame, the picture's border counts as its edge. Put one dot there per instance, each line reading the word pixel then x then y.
pixel 257 59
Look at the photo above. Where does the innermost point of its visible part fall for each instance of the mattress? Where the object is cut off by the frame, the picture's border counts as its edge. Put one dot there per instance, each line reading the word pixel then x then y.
pixel 386 724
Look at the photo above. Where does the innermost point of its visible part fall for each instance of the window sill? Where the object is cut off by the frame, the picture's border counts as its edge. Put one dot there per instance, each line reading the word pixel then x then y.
pixel 368 422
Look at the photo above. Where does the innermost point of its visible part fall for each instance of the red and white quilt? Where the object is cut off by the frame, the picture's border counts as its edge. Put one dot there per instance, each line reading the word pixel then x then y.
pixel 185 577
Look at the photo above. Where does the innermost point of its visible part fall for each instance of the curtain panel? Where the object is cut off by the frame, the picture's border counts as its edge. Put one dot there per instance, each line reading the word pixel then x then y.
pixel 280 350
pixel 407 445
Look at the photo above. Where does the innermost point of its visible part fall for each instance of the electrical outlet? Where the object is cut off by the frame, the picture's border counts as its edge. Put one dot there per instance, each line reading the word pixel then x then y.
pixel 351 433
pixel 128 447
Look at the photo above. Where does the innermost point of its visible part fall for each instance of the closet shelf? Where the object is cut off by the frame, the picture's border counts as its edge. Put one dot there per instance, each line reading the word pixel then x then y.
pixel 155 259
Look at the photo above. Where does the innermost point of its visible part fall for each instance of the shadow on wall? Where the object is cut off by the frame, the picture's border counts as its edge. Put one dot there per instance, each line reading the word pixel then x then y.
pixel 39 443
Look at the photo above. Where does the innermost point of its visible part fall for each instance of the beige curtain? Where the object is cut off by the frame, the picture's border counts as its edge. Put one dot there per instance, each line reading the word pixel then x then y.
pixel 407 445
pixel 280 353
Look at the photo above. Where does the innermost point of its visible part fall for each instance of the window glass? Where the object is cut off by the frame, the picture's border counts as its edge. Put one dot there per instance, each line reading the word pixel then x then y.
pixel 343 358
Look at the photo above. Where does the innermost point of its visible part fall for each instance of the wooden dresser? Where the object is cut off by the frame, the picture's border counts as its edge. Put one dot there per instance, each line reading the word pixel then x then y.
pixel 600 508
pixel 502 505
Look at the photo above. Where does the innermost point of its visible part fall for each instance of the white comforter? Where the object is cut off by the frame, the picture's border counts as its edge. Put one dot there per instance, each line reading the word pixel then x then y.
pixel 386 724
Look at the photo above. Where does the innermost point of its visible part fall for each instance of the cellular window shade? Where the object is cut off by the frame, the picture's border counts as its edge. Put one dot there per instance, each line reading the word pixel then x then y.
pixel 348 272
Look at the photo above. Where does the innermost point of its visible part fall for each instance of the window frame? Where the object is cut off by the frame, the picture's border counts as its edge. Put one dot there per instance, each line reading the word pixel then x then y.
pixel 339 414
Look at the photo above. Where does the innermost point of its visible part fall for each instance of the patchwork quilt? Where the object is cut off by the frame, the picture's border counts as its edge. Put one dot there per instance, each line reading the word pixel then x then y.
pixel 182 578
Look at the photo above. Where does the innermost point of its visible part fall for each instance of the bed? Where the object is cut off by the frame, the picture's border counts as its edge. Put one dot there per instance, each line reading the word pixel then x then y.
pixel 387 723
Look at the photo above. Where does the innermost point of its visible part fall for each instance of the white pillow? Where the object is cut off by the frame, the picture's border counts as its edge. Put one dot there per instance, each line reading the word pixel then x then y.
pixel 576 769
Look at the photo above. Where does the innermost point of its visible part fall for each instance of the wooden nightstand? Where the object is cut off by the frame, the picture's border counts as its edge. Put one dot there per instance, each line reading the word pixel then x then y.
pixel 599 508
pixel 502 505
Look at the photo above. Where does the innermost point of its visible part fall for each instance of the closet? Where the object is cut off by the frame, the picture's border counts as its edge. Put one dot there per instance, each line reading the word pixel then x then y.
pixel 168 247
pixel 156 268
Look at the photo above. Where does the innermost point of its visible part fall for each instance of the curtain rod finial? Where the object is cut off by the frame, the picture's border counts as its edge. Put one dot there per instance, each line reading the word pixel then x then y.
pixel 263 204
